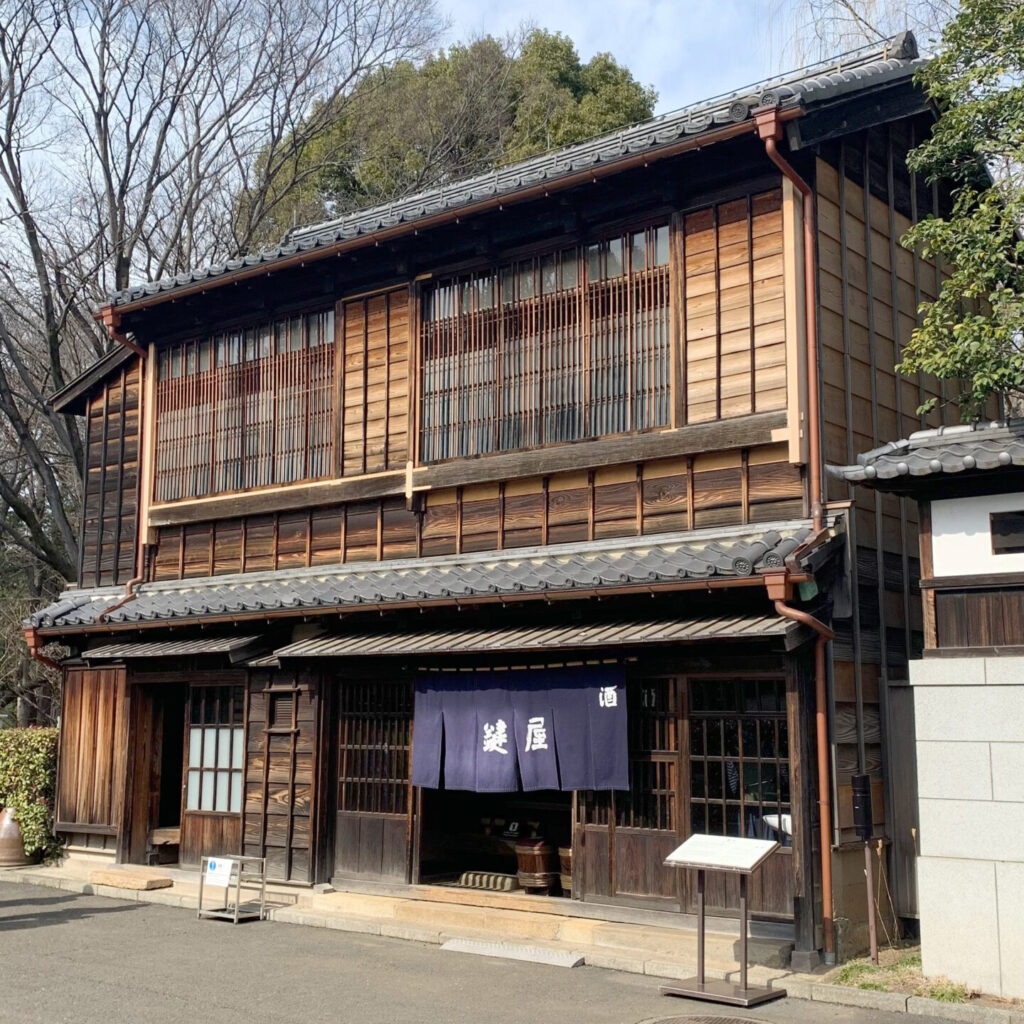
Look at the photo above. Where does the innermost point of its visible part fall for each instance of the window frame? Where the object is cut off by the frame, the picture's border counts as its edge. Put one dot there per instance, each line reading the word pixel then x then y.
pixel 491 391
pixel 236 724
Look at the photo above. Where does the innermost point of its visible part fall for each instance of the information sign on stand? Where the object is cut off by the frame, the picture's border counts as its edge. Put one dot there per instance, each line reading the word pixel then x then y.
pixel 236 873
pixel 732 855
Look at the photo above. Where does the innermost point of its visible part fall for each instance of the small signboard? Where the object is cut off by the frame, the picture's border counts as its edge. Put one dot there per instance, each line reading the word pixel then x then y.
pixel 737 856
pixel 218 871
pixel 721 853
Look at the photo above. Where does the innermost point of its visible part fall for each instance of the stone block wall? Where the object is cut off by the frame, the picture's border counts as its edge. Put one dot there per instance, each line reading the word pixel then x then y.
pixel 970 765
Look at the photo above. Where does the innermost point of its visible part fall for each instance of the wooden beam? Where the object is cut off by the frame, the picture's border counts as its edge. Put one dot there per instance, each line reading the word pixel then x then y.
pixel 723 435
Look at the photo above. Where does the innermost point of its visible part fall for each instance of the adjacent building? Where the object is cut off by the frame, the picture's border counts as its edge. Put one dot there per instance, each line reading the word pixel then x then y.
pixel 968 694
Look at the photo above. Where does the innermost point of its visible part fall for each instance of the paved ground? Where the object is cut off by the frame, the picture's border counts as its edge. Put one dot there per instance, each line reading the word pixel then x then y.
pixel 70 959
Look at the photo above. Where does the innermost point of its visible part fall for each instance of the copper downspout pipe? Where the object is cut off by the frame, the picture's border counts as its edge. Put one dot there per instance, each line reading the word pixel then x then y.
pixel 32 639
pixel 769 128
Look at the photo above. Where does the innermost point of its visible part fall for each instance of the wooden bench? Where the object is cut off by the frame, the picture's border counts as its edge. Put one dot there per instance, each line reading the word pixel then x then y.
pixel 160 839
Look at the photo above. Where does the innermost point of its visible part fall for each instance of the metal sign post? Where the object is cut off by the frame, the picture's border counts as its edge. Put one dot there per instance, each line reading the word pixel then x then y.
pixel 234 872
pixel 734 856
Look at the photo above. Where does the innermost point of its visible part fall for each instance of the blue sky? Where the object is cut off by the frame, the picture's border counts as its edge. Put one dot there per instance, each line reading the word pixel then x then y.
pixel 687 49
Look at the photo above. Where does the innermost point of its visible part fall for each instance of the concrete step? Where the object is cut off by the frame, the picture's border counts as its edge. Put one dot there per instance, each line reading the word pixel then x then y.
pixel 430 918
pixel 680 963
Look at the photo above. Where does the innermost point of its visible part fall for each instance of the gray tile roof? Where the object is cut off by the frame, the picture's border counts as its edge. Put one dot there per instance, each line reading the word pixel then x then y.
pixel 596 565
pixel 536 638
pixel 867 68
pixel 946 451
pixel 170 648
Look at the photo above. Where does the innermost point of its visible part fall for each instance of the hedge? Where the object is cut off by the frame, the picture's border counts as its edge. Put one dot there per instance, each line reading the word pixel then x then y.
pixel 28 778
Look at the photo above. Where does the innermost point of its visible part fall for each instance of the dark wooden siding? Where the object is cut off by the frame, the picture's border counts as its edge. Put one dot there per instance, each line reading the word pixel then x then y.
pixel 981 617
pixel 93 751
pixel 727 489
pixel 282 767
pixel 209 835
pixel 111 490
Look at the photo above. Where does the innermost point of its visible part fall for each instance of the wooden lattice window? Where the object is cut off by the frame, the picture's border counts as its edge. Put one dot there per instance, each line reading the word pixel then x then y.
pixel 376 746
pixel 570 345
pixel 216 749
pixel 739 758
pixel 246 408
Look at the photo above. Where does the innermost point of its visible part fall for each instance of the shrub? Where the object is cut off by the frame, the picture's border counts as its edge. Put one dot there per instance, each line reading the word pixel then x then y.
pixel 28 778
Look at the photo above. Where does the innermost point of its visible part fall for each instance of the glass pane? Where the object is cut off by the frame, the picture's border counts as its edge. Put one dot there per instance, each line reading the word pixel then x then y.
pixel 637 252
pixel 209 747
pixel 715 791
pixel 732 738
pixel 698 777
pixel 569 268
pixel 192 792
pixel 206 797
pixel 698 819
pixel 661 246
pixel 224 747
pixel 732 780
pixel 749 732
pixel 614 257
pixel 237 747
pixel 525 280
pixel 714 735
pixel 236 793
pixel 594 262
pixel 221 800
pixel 204 356
pixel 547 275
pixel 767 739
pixel 195 742
pixel 696 737
pixel 732 821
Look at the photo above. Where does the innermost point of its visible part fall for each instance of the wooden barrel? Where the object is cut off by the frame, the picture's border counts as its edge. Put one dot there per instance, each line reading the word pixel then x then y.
pixel 535 859
pixel 565 863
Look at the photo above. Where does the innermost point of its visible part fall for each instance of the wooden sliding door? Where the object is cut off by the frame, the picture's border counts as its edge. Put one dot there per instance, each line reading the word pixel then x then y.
pixel 93 751
pixel 211 821
pixel 622 838
pixel 375 807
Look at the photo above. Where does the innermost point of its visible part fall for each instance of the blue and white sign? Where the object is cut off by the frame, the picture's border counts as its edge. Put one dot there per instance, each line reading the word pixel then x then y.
pixel 218 871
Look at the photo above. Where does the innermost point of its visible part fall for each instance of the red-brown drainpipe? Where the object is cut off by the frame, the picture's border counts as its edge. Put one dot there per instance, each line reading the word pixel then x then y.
pixel 769 129
pixel 780 592
pixel 34 643
pixel 111 320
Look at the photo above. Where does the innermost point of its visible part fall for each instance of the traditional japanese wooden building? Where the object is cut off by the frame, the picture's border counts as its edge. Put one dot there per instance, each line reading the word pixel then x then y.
pixel 499 511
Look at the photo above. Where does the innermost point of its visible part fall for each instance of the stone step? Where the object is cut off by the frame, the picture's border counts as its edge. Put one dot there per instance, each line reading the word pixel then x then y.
pixel 138 880
pixel 636 960
pixel 645 941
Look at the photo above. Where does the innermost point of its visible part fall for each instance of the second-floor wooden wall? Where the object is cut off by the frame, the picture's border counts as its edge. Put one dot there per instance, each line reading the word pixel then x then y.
pixel 110 500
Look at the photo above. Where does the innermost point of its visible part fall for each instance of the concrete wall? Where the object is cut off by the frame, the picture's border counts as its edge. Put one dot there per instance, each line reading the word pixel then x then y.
pixel 970 754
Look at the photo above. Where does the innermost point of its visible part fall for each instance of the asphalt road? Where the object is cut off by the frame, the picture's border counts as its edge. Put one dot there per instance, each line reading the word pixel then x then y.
pixel 84 959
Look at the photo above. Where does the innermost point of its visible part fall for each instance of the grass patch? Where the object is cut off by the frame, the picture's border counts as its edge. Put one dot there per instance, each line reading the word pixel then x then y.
pixel 898 971
pixel 946 991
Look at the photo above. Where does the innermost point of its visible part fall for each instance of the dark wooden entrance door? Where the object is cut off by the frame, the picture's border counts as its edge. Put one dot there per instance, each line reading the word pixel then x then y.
pixel 621 839
pixel 375 806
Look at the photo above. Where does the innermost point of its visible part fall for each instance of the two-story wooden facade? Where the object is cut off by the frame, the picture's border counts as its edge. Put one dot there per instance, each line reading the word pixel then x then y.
pixel 544 446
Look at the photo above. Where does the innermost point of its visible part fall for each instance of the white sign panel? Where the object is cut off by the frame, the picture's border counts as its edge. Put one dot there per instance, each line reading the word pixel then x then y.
pixel 721 853
pixel 218 871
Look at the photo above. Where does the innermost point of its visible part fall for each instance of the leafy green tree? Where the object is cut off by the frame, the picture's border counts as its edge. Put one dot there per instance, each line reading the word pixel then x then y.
pixel 463 111
pixel 972 333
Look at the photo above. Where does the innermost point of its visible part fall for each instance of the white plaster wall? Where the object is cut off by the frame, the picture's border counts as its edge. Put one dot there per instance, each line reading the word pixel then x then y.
pixel 962 539
pixel 970 764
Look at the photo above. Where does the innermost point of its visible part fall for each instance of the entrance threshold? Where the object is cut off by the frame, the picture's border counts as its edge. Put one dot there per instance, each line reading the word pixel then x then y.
pixel 562 907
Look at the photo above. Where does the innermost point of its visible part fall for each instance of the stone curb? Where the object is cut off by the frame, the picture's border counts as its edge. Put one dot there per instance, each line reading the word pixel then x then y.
pixel 796 988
